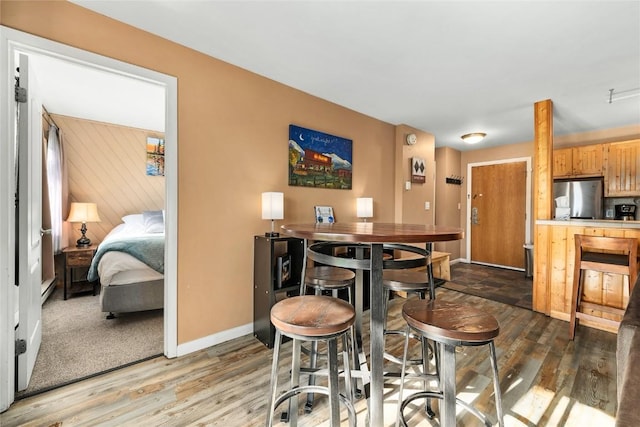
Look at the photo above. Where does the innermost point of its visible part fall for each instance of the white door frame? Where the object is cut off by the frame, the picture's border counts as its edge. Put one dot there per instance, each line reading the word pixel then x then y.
pixel 12 41
pixel 527 224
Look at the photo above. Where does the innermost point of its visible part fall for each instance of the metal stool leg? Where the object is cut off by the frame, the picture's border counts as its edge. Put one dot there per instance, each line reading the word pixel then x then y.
pixel 334 386
pixel 313 363
pixel 496 384
pixel 274 379
pixel 399 417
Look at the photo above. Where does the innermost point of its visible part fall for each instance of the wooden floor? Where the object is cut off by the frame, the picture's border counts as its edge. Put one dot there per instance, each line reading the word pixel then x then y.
pixel 546 380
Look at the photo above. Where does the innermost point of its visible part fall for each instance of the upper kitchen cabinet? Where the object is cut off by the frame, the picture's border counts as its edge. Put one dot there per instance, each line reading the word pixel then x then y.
pixel 584 161
pixel 622 169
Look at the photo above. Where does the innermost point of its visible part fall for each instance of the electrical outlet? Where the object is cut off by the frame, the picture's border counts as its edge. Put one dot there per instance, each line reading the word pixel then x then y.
pixel 427 206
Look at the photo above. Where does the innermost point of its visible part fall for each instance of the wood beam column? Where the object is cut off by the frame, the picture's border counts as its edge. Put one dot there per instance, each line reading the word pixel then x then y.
pixel 542 202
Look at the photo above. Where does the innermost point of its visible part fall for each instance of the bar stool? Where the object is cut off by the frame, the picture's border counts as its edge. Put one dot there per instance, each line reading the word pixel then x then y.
pixel 590 256
pixel 326 278
pixel 450 325
pixel 400 276
pixel 411 282
pixel 312 318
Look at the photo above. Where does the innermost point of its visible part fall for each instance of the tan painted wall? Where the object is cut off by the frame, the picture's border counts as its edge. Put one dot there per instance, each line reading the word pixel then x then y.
pixel 410 204
pixel 233 132
pixel 448 196
pixel 106 166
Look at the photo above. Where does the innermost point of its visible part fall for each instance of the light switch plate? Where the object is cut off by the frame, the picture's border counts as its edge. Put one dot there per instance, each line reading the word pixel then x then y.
pixel 427 206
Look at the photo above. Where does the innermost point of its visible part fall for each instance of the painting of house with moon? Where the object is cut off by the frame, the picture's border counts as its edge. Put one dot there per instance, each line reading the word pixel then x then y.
pixel 318 159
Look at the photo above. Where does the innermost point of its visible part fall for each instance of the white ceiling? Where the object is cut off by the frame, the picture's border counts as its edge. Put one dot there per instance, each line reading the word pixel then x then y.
pixel 447 68
pixel 79 90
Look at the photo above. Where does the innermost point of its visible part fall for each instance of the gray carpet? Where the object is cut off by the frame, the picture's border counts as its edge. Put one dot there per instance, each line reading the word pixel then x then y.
pixel 78 341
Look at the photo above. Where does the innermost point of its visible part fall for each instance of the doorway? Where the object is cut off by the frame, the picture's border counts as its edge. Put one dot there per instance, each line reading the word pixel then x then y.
pixel 499 209
pixel 12 43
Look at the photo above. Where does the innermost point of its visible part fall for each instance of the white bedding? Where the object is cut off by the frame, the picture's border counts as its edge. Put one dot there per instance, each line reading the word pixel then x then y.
pixel 119 268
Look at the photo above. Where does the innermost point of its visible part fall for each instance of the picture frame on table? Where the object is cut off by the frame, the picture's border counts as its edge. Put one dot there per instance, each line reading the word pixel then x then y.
pixel 324 214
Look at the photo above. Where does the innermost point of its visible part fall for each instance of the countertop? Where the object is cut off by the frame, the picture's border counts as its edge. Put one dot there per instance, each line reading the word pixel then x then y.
pixel 605 223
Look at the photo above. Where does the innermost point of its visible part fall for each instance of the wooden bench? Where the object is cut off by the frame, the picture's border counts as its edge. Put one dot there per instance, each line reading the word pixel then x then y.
pixel 440 262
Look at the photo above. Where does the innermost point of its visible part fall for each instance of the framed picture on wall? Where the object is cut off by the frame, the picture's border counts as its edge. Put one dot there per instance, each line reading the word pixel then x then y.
pixel 317 159
pixel 155 156
pixel 418 170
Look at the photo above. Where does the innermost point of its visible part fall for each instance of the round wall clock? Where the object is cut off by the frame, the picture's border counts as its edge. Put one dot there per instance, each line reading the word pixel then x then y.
pixel 412 139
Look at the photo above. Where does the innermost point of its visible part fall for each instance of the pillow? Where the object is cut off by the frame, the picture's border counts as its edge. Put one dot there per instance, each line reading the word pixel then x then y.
pixel 153 221
pixel 133 219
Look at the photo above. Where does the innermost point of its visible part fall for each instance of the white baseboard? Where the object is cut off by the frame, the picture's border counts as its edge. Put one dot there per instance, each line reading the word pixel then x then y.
pixel 211 340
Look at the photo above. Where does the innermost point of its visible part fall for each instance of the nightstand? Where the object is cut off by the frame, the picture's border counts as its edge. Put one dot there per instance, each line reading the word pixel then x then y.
pixel 77 258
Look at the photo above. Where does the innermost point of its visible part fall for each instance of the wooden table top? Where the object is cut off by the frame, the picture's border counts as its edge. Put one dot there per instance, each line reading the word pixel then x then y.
pixel 374 232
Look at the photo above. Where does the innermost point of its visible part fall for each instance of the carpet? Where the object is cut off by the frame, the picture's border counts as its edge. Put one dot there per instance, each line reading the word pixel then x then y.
pixel 78 341
pixel 496 284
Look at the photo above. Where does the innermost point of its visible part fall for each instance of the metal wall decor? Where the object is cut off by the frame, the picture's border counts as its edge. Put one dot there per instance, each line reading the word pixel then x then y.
pixel 418 170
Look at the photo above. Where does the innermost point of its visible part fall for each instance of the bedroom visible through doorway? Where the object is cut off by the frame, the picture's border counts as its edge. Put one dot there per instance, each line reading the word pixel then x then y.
pixel 14 42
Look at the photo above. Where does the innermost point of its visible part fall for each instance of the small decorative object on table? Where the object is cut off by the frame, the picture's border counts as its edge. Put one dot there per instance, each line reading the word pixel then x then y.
pixel 324 214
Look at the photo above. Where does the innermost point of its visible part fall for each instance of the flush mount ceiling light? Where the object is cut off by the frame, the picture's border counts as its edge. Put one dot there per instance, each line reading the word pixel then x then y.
pixel 473 138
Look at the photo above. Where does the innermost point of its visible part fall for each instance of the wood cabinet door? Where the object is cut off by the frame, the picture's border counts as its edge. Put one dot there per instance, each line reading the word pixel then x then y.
pixel 622 169
pixel 562 162
pixel 587 160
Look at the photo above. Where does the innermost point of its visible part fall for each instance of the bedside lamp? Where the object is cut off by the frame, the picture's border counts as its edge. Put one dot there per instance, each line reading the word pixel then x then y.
pixel 83 212
pixel 364 208
pixel 272 208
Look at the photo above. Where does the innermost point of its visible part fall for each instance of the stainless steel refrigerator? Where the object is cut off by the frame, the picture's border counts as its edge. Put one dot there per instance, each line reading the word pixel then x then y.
pixel 580 199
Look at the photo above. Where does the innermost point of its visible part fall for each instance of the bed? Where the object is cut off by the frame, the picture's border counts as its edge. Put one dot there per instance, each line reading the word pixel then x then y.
pixel 129 263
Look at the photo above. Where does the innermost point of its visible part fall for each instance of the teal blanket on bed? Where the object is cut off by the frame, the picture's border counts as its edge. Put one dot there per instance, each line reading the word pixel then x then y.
pixel 149 250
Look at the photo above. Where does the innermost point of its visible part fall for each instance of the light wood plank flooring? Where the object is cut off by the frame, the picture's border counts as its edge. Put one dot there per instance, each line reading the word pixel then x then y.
pixel 546 380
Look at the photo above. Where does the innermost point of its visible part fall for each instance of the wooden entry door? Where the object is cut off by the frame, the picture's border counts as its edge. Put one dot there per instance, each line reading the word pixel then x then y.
pixel 498 209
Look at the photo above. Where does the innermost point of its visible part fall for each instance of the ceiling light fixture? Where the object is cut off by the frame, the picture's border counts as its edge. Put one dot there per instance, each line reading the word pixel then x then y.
pixel 473 138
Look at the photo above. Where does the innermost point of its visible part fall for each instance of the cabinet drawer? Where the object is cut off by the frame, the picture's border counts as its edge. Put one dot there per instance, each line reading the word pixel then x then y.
pixel 79 259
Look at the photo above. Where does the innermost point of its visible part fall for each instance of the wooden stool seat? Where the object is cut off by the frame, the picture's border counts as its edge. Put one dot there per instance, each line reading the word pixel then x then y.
pixel 405 280
pixel 312 316
pixel 621 258
pixel 449 325
pixel 329 278
pixel 441 320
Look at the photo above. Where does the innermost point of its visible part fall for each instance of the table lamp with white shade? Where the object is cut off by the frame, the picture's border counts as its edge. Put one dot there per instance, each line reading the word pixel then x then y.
pixel 83 212
pixel 364 208
pixel 272 208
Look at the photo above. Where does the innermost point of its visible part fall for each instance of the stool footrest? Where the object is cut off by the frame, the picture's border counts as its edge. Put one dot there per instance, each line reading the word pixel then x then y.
pixel 600 307
pixel 602 320
pixel 314 389
pixel 438 395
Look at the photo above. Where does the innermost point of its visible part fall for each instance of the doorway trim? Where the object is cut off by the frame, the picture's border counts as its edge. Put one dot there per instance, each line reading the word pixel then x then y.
pixel 12 41
pixel 527 231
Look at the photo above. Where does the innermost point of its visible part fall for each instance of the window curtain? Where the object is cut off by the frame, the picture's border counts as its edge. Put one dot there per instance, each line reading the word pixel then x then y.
pixel 55 186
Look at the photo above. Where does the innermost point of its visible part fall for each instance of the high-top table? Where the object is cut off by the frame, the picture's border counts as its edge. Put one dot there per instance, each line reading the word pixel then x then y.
pixel 375 234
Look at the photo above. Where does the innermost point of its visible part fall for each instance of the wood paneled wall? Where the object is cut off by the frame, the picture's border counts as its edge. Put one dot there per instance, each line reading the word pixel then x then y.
pixel 106 165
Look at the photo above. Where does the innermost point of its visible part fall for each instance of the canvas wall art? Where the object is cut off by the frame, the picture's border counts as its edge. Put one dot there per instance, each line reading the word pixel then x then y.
pixel 317 159
pixel 155 156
